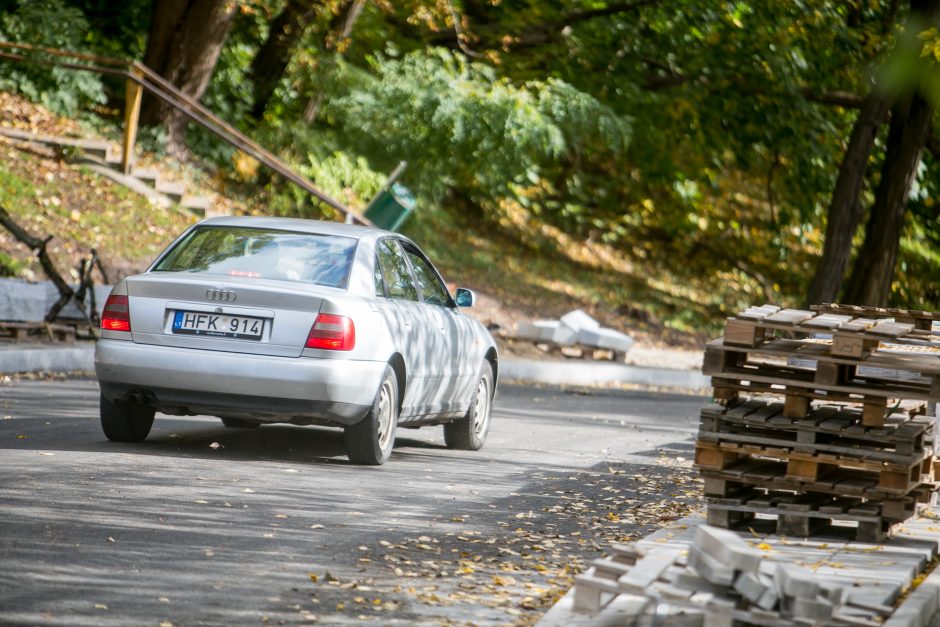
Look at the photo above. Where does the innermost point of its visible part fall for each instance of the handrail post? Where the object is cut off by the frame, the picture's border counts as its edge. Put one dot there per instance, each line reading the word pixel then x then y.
pixel 133 93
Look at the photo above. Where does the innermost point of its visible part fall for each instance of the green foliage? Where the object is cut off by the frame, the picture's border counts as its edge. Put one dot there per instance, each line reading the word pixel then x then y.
pixel 49 23
pixel 461 126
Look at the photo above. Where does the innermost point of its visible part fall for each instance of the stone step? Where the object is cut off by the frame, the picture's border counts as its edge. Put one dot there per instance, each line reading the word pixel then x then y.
pixel 146 175
pixel 174 191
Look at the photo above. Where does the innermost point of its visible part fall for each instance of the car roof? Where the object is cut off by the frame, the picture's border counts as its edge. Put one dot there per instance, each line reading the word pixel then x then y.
pixel 320 227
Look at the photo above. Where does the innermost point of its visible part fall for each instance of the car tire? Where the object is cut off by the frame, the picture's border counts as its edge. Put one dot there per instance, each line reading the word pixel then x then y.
pixel 469 433
pixel 125 422
pixel 370 440
pixel 238 423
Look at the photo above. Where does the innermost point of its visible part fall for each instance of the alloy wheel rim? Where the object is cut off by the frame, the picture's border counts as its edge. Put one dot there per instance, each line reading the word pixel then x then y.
pixel 481 411
pixel 384 426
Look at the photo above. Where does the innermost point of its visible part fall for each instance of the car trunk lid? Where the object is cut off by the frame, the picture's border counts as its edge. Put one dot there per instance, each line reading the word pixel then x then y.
pixel 212 312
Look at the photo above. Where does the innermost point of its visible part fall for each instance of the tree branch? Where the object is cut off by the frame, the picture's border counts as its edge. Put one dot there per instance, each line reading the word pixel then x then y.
pixel 39 247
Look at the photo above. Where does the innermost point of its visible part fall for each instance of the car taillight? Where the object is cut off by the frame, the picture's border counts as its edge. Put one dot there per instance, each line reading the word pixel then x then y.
pixel 116 315
pixel 335 333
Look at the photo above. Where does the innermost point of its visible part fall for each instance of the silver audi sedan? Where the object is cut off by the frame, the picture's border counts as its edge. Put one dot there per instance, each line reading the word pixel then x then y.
pixel 277 320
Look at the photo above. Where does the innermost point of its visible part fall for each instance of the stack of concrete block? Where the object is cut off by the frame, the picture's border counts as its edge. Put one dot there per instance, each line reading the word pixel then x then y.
pixel 723 582
pixel 575 329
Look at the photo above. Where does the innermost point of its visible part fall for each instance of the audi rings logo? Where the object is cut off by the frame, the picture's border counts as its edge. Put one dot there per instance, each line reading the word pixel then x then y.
pixel 227 296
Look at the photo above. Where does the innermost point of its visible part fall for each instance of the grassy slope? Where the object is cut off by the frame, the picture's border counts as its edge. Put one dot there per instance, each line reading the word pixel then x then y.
pixel 546 277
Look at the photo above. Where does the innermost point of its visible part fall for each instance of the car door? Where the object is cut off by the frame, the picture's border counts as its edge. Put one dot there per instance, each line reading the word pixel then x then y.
pixel 440 343
pixel 401 309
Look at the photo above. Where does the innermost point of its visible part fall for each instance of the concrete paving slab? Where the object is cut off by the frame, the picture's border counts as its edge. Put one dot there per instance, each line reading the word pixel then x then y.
pixel 872 573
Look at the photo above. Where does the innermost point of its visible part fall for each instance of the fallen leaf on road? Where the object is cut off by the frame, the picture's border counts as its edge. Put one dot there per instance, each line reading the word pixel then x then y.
pixel 110 539
pixel 100 606
pixel 313 577
pixel 215 445
pixel 281 516
pixel 201 502
pixel 317 527
pixel 21 437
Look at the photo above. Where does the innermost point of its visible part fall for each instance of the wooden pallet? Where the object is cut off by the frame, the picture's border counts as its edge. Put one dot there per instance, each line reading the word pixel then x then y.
pixel 23 331
pixel 811 468
pixel 824 454
pixel 804 516
pixel 800 384
pixel 830 428
pixel 853 336
pixel 817 478
pixel 576 351
pixel 798 400
pixel 919 318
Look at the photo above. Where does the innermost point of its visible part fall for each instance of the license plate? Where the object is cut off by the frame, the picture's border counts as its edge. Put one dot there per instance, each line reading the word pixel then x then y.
pixel 217 325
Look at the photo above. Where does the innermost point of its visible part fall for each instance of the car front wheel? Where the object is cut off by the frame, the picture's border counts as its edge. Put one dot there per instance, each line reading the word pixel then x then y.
pixel 370 440
pixel 125 422
pixel 469 433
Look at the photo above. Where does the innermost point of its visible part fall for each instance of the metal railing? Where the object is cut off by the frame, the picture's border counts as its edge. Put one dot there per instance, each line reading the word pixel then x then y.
pixel 140 78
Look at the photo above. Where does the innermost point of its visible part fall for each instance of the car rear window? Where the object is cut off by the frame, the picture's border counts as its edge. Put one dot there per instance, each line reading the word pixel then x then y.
pixel 263 254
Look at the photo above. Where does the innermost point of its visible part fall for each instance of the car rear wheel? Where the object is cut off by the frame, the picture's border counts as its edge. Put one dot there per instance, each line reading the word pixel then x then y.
pixel 238 423
pixel 469 433
pixel 370 440
pixel 125 422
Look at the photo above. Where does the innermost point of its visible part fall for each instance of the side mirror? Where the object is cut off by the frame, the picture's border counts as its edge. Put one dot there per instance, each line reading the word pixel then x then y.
pixel 465 297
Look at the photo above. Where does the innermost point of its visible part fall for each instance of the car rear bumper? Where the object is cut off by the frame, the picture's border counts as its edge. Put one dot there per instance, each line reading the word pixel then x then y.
pixel 279 389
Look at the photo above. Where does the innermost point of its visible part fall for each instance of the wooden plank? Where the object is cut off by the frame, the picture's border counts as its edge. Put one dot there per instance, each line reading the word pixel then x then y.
pixel 827 321
pixel 790 316
pixel 889 328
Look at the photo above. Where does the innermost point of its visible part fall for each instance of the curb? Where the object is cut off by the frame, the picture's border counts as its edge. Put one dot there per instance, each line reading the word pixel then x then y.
pixel 45 358
pixel 594 373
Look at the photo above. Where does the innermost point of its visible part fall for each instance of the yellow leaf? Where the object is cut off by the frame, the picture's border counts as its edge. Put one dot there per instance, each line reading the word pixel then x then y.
pixel 313 577
pixel 763 546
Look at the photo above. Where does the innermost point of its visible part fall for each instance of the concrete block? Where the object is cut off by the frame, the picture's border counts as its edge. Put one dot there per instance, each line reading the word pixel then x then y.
pixel 21 301
pixel 546 331
pixel 694 583
pixel 709 568
pixel 750 587
pixel 719 614
pixel 793 581
pixel 605 338
pixel 769 599
pixel 647 570
pixel 577 320
pixel 816 610
pixel 727 548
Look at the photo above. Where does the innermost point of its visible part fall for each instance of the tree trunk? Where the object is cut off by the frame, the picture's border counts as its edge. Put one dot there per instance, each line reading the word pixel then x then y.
pixel 186 37
pixel 845 209
pixel 870 281
pixel 273 57
pixel 334 47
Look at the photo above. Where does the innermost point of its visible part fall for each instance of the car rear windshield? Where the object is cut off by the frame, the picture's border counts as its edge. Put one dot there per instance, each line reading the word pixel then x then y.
pixel 263 254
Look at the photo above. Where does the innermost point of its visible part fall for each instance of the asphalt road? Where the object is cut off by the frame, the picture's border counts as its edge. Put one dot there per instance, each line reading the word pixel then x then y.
pixel 203 525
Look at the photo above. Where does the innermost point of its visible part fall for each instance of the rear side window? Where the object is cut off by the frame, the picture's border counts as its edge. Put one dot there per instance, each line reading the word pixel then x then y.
pixel 432 290
pixel 264 254
pixel 395 273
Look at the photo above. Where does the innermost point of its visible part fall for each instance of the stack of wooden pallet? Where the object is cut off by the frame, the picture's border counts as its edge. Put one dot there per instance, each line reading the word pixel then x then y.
pixel 820 418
